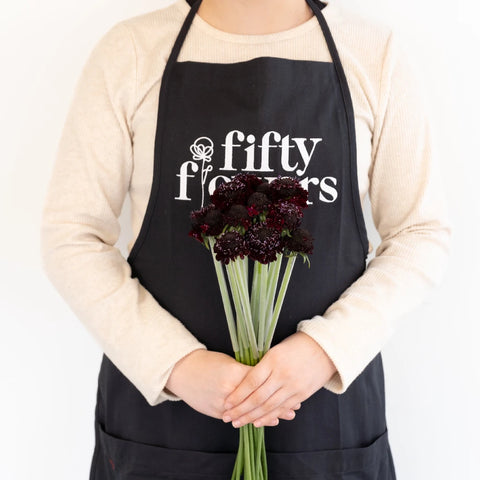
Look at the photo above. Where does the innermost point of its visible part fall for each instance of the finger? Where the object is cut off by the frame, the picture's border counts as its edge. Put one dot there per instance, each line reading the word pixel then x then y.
pixel 253 380
pixel 284 411
pixel 256 399
pixel 286 415
pixel 272 422
pixel 270 419
pixel 273 403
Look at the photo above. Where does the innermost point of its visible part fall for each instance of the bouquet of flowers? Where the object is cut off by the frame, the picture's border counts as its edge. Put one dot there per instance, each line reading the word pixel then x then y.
pixel 249 218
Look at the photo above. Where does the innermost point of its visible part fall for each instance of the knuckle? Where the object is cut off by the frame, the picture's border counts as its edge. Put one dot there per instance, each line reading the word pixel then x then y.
pixel 247 418
pixel 296 384
pixel 287 413
pixel 259 397
pixel 217 404
pixel 281 413
pixel 294 400
pixel 226 385
pixel 271 404
pixel 253 381
pixel 257 413
pixel 217 414
pixel 290 371
pixel 224 391
pixel 239 371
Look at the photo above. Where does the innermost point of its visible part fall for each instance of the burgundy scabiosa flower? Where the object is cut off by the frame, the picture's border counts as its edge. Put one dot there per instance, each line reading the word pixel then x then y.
pixel 284 215
pixel 228 194
pixel 300 241
pixel 257 203
pixel 263 243
pixel 207 221
pixel 237 216
pixel 264 188
pixel 288 188
pixel 236 191
pixel 229 246
pixel 249 181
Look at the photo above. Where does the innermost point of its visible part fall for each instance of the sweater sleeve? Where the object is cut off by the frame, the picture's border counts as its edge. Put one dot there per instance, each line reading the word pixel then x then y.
pixel 410 214
pixel 79 228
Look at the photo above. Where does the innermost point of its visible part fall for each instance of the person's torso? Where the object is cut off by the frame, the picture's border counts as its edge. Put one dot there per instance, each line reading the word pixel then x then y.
pixel 273 116
pixel 155 32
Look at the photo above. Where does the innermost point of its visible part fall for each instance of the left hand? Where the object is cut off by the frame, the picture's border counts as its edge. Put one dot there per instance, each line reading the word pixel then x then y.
pixel 289 373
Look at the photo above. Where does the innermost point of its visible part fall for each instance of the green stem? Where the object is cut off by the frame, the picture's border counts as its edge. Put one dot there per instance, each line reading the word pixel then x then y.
pixel 245 265
pixel 247 473
pixel 262 287
pixel 264 461
pixel 252 449
pixel 227 306
pixel 272 281
pixel 245 303
pixel 245 356
pixel 273 274
pixel 255 297
pixel 239 460
pixel 258 447
pixel 280 298
pixel 242 334
pixel 244 262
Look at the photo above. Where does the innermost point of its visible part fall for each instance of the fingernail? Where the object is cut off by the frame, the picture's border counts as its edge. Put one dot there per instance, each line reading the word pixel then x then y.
pixel 227 418
pixel 236 423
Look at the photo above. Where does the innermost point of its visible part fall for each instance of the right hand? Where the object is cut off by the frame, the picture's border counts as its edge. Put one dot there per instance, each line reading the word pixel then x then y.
pixel 203 379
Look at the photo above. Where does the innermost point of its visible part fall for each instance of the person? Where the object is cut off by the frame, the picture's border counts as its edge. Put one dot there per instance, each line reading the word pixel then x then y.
pixel 276 88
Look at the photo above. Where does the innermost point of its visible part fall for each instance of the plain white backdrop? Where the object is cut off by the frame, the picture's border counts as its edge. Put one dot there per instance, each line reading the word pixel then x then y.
pixel 49 364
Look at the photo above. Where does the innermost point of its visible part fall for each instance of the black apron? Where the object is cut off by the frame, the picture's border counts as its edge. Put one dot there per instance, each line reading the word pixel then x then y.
pixel 269 116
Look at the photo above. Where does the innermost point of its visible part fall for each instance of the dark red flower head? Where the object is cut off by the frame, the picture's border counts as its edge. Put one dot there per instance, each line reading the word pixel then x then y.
pixel 264 188
pixel 257 203
pixel 300 242
pixel 284 216
pixel 263 243
pixel 249 181
pixel 236 191
pixel 228 194
pixel 237 216
pixel 206 221
pixel 229 246
pixel 288 188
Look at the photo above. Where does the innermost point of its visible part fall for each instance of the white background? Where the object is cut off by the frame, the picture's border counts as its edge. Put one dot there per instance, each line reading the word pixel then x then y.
pixel 48 362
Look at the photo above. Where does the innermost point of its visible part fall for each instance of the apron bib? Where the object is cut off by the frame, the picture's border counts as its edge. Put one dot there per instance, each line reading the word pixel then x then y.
pixel 269 116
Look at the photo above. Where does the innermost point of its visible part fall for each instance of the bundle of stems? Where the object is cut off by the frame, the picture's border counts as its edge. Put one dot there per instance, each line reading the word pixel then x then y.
pixel 251 331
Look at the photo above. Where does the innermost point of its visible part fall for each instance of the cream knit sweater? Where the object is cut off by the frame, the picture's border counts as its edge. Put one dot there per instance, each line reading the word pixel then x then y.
pixel 106 152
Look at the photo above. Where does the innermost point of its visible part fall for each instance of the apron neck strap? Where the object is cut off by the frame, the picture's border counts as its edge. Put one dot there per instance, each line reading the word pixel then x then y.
pixel 321 4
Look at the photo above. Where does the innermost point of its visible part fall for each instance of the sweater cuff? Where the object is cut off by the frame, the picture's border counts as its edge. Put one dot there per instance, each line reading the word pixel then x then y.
pixel 317 328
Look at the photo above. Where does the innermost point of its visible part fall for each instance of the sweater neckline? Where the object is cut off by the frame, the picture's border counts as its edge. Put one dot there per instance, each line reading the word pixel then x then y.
pixel 209 29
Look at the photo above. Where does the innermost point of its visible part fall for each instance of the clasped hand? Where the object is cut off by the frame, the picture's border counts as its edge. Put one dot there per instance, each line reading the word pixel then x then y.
pixel 289 373
pixel 215 384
